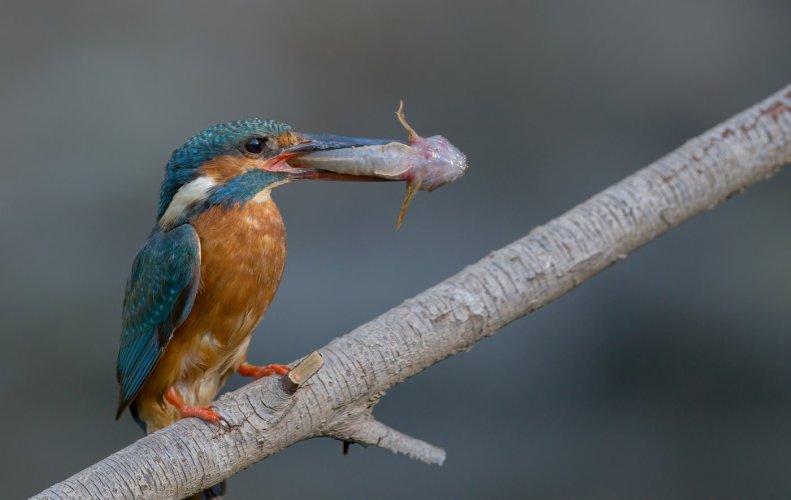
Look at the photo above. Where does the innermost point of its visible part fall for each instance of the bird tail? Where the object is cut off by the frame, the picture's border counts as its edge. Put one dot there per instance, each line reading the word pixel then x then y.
pixel 216 492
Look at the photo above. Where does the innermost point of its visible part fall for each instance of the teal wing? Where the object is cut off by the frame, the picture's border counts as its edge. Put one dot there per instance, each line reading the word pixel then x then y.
pixel 159 296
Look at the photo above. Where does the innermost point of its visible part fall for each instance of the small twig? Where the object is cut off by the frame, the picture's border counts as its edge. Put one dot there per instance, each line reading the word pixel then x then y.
pixel 302 372
pixel 371 432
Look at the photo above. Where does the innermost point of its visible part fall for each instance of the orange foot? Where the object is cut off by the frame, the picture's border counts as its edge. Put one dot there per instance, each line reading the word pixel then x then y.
pixel 202 412
pixel 248 370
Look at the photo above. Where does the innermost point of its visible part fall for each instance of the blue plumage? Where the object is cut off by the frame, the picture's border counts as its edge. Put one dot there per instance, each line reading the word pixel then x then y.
pixel 204 207
pixel 159 296
pixel 243 188
pixel 215 141
pixel 165 274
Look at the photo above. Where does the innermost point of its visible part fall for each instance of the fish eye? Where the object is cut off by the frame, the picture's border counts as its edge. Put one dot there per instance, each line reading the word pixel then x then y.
pixel 255 145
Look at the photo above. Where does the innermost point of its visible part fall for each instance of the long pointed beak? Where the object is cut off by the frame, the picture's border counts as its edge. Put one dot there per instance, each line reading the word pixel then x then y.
pixel 335 157
pixel 324 142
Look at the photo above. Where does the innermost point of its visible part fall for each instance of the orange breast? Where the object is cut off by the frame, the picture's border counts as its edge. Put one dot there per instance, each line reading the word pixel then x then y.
pixel 243 253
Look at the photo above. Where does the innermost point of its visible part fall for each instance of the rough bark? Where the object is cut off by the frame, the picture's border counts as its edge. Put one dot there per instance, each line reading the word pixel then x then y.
pixel 267 416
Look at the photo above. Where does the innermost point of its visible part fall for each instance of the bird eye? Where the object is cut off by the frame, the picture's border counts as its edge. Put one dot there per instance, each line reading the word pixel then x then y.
pixel 255 145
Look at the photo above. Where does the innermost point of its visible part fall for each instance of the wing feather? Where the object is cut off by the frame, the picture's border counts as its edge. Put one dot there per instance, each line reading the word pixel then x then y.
pixel 159 296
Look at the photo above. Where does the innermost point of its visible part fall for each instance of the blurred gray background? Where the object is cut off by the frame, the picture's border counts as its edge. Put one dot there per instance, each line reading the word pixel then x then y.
pixel 667 376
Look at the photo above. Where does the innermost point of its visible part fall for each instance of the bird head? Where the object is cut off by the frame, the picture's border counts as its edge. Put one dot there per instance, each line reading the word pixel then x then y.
pixel 232 163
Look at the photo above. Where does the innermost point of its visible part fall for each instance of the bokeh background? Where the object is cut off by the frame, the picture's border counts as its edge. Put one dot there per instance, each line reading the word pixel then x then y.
pixel 667 376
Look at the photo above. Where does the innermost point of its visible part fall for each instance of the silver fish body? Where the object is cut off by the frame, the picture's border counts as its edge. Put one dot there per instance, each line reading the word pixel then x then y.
pixel 426 163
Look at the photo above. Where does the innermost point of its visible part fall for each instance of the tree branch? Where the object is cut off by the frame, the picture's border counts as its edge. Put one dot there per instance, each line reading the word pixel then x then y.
pixel 269 415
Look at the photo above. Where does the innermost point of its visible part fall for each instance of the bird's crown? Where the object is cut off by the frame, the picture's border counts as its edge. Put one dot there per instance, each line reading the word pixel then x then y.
pixel 222 139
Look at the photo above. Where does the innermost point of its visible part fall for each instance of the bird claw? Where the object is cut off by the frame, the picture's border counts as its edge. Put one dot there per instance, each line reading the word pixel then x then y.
pixel 224 424
pixel 204 413
pixel 248 370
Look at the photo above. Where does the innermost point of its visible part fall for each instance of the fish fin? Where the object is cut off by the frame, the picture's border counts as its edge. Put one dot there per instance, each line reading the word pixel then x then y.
pixel 411 189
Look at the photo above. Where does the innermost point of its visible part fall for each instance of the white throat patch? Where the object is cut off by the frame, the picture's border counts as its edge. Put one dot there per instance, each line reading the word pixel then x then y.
pixel 193 191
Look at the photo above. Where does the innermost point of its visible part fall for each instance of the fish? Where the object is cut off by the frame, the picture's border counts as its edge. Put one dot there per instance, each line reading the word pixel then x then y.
pixel 424 163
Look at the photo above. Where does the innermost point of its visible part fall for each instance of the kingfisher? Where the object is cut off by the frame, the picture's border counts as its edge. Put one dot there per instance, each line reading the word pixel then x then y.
pixel 210 267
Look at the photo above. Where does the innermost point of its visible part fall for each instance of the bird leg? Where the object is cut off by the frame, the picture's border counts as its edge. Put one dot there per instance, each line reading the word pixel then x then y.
pixel 202 412
pixel 248 370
